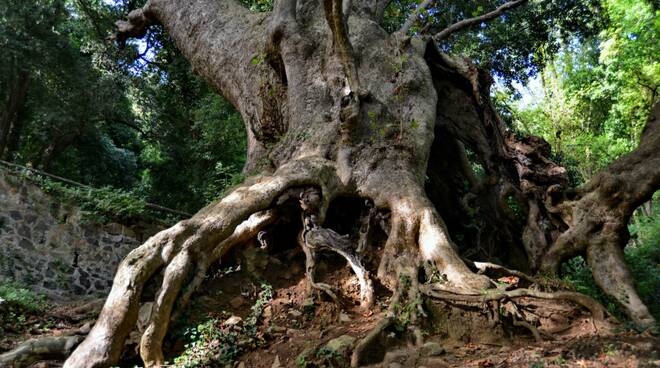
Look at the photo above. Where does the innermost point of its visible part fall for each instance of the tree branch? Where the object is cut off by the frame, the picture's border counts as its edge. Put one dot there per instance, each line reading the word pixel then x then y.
pixel 414 16
pixel 208 33
pixel 466 23
pixel 337 22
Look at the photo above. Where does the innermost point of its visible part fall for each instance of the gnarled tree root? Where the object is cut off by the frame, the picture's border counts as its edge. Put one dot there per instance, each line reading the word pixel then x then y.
pixel 325 239
pixel 444 293
pixel 406 291
pixel 408 294
pixel 39 349
pixel 176 250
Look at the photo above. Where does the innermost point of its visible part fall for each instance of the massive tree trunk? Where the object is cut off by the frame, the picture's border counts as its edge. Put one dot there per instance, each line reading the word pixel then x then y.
pixel 336 107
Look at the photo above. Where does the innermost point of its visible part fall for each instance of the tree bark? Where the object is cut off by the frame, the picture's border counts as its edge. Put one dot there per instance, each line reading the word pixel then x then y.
pixel 334 106
pixel 598 214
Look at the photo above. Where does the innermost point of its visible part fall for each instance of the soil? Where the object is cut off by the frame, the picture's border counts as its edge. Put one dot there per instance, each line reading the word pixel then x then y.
pixel 299 321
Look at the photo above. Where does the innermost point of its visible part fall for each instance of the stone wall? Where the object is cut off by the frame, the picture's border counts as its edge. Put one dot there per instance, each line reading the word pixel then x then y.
pixel 45 245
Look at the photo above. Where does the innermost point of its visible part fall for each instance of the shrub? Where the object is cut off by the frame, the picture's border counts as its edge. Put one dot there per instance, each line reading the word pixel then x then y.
pixel 17 303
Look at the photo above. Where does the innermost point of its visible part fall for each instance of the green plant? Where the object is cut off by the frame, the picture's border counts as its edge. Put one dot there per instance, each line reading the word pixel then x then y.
pixel 14 293
pixel 100 205
pixel 610 350
pixel 538 364
pixel 212 343
pixel 301 361
pixel 329 357
pixel 17 303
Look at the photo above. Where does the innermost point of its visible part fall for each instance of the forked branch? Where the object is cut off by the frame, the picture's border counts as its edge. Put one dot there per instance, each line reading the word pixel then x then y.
pixel 470 22
pixel 414 16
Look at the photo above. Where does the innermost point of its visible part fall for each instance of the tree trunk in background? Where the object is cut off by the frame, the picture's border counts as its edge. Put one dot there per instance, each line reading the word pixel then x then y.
pixel 49 152
pixel 335 107
pixel 10 122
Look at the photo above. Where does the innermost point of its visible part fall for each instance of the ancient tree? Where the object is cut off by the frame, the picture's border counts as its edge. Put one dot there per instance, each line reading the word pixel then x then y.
pixel 336 107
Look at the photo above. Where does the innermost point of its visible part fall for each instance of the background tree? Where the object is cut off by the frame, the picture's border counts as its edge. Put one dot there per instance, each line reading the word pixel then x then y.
pixel 78 107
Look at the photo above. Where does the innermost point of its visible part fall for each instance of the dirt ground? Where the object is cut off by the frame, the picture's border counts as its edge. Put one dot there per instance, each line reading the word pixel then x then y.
pixel 299 322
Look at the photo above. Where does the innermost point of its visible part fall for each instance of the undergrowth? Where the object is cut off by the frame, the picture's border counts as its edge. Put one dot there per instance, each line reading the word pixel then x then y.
pixel 217 344
pixel 17 304
pixel 101 205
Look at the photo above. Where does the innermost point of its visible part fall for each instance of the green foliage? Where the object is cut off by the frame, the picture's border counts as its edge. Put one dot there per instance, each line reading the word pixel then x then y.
pixel 326 357
pixel 213 344
pixel 259 6
pixel 513 47
pixel 595 93
pixel 191 131
pixel 101 205
pixel 115 118
pixel 17 303
pixel 14 293
pixel 74 118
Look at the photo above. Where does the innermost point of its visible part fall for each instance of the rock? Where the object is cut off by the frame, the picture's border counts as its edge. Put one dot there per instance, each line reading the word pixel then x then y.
pixel 431 348
pixel 241 365
pixel 395 365
pixel 232 321
pixel 237 302
pixel 276 363
pixel 343 317
pixel 435 362
pixel 116 238
pixel 24 231
pixel 308 305
pixel 268 312
pixel 397 356
pixel 277 329
pixel 26 244
pixel 295 313
pixel 84 330
pixel 341 344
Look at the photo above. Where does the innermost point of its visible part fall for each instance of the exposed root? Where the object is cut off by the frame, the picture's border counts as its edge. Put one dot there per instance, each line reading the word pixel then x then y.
pixel 494 270
pixel 243 232
pixel 530 327
pixel 380 327
pixel 365 226
pixel 35 350
pixel 319 238
pixel 175 249
pixel 314 238
pixel 612 275
pixel 446 293
pixel 435 246
pixel 151 343
pixel 406 299
pixel 310 268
